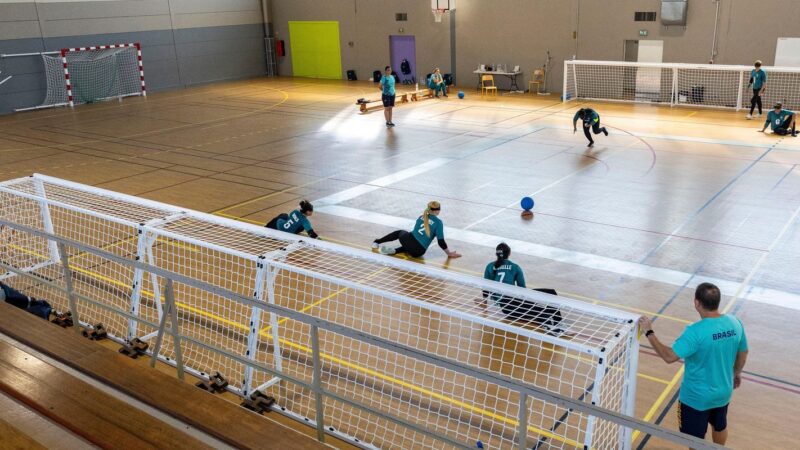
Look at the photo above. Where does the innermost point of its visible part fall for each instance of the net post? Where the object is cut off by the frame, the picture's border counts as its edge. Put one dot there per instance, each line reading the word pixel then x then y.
pixel 47 220
pixel 629 390
pixel 138 279
pixel 271 273
pixel 255 325
pixel 597 389
pixel 141 66
pixel 741 88
pixel 564 87
pixel 317 383
pixel 522 425
pixel 575 79
pixel 169 297
pixel 73 305
pixel 673 100
pixel 67 80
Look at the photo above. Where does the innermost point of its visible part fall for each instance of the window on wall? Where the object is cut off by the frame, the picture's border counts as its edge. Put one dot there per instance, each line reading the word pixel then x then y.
pixel 644 16
pixel 401 17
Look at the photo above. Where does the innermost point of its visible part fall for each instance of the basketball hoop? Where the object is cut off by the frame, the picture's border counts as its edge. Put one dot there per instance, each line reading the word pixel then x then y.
pixel 439 7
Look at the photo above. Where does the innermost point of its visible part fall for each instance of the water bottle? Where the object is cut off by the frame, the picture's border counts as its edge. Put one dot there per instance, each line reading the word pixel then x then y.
pixel 416 88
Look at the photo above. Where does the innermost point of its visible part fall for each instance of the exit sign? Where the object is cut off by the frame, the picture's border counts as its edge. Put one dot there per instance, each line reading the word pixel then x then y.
pixel 642 32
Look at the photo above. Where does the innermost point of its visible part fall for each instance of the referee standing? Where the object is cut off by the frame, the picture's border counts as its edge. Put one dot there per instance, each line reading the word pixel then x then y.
pixel 714 351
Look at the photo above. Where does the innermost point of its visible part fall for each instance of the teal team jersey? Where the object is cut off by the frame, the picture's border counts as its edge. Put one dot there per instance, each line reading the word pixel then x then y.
pixel 436 226
pixel 775 120
pixel 591 118
pixel 709 348
pixel 387 84
pixel 508 273
pixel 759 78
pixel 295 223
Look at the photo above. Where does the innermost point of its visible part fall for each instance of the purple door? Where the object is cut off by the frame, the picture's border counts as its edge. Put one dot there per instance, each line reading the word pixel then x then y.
pixel 403 48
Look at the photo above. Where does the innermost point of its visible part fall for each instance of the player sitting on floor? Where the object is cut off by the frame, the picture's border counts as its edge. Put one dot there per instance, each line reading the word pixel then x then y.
pixel 417 241
pixel 591 119
pixel 506 271
pixel 296 221
pixel 14 297
pixel 782 121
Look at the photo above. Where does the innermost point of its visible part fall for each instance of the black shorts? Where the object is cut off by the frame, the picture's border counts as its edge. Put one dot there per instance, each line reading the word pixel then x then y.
pixel 695 422
pixel 388 100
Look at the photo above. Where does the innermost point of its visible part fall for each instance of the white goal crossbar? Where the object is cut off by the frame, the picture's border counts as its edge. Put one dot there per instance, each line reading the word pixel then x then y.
pixel 676 84
pixel 318 325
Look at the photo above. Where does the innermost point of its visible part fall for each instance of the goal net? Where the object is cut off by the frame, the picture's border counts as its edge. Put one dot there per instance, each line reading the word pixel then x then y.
pixel 90 74
pixel 696 85
pixel 381 371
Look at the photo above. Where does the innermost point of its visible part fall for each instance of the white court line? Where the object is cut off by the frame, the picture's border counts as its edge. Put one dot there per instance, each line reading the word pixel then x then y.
pixel 376 184
pixel 626 268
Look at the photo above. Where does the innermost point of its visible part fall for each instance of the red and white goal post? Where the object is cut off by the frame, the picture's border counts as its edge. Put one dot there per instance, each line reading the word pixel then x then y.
pixel 88 74
pixel 675 84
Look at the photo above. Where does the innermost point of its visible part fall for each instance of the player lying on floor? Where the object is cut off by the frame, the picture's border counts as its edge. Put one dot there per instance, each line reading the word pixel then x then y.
pixel 506 271
pixel 782 121
pixel 14 297
pixel 416 242
pixel 296 221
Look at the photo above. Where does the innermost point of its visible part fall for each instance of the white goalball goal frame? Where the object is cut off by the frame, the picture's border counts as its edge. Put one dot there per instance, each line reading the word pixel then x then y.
pixel 677 84
pixel 333 333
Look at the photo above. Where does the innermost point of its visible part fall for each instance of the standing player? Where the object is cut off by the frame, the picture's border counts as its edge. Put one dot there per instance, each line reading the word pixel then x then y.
pixel 758 79
pixel 416 243
pixel 387 94
pixel 782 121
pixel 591 119
pixel 296 221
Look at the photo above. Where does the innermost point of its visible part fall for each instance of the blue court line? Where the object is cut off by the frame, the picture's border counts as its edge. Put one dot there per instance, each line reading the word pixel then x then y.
pixel 677 292
pixel 706 204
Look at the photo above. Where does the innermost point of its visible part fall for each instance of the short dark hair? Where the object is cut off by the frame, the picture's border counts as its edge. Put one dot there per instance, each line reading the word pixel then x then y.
pixel 708 295
pixel 581 113
pixel 387 68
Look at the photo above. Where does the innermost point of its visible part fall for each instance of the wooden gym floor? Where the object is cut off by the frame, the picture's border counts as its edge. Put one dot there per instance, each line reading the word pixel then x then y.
pixel 671 198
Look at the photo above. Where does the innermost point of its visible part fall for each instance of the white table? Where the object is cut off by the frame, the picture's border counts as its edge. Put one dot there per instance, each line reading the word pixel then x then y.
pixel 511 75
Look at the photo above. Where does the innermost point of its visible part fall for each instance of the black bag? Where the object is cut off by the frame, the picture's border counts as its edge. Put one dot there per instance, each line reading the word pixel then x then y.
pixel 351 75
pixel 376 76
pixel 448 79
pixel 405 67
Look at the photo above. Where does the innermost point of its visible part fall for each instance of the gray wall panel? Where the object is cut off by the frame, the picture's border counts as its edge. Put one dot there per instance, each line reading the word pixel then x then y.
pixel 100 10
pixel 203 55
pixel 12 12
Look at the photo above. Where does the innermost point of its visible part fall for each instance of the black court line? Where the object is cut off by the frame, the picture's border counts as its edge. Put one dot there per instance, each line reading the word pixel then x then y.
pixel 660 419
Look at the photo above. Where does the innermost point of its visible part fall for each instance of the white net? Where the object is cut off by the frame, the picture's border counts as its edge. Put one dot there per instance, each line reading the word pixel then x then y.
pixel 433 312
pixel 696 85
pixel 95 75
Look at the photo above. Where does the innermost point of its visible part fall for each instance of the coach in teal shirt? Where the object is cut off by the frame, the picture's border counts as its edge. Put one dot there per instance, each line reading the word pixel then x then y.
pixel 714 351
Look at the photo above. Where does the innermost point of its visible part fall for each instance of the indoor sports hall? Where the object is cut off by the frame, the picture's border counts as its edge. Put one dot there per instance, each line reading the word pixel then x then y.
pixel 320 213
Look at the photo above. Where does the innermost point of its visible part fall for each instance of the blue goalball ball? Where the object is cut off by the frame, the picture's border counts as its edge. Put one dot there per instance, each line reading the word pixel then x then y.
pixel 460 94
pixel 526 203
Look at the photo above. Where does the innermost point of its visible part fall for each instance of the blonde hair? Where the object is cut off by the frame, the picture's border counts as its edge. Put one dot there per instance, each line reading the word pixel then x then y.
pixel 432 205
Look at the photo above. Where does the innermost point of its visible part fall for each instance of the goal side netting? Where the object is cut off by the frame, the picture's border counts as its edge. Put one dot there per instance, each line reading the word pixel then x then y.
pixel 381 352
pixel 91 74
pixel 695 85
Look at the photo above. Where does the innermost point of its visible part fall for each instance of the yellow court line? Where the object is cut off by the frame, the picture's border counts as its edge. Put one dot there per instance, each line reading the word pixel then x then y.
pixel 660 400
pixel 272 194
pixel 436 395
pixel 355 366
pixel 691 114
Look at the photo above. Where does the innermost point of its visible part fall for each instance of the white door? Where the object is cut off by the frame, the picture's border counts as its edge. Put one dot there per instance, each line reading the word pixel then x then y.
pixel 648 80
pixel 787 52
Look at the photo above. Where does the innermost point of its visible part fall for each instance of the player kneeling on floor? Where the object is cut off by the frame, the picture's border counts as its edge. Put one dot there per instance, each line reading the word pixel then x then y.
pixel 506 271
pixel 296 221
pixel 781 121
